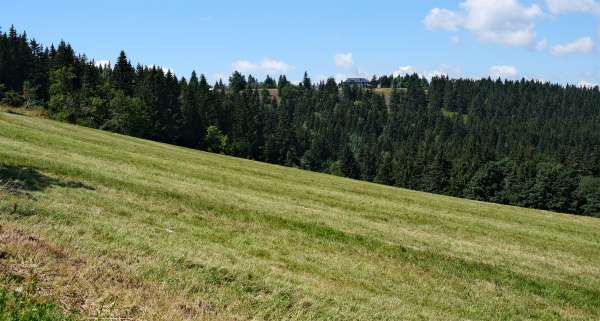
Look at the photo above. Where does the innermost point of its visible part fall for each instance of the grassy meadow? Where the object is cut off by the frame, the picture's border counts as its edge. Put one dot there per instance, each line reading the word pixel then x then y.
pixel 108 226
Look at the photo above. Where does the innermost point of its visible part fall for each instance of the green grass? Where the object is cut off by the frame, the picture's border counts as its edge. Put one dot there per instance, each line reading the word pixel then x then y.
pixel 15 305
pixel 115 226
pixel 452 114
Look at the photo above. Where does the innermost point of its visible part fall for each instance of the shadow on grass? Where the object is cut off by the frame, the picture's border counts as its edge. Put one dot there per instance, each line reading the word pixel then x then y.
pixel 27 179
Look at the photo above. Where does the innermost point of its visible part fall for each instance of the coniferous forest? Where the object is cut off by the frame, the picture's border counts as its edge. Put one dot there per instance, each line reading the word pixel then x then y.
pixel 523 143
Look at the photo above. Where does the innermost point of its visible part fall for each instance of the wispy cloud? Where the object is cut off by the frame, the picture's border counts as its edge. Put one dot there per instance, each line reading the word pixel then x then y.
pixel 443 19
pixel 586 84
pixel 505 22
pixel 566 6
pixel 503 72
pixel 582 45
pixel 405 70
pixel 267 66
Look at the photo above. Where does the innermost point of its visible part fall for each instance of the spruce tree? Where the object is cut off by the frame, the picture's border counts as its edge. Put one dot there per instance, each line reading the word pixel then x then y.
pixel 350 167
pixel 123 74
pixel 385 174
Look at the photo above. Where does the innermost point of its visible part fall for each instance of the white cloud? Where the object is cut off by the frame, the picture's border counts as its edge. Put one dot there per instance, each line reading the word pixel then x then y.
pixel 501 21
pixel 102 63
pixel 441 70
pixel 343 60
pixel 267 66
pixel 436 73
pixel 243 65
pixel 275 65
pixel 443 19
pixel 405 70
pixel 516 38
pixel 447 70
pixel 167 69
pixel 503 72
pixel 505 22
pixel 566 6
pixel 582 45
pixel 586 84
pixel 455 40
pixel 164 69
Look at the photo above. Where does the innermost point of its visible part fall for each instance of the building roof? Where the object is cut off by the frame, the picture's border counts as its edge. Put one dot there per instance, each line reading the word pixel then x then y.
pixel 356 80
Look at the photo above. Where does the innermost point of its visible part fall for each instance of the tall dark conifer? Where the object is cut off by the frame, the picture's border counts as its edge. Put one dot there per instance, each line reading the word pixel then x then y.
pixel 123 75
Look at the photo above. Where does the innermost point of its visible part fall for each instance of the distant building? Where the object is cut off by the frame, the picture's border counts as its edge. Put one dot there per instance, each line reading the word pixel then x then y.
pixel 358 82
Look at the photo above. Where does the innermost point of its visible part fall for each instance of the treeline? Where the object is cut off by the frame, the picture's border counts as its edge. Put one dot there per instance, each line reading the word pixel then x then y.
pixel 523 143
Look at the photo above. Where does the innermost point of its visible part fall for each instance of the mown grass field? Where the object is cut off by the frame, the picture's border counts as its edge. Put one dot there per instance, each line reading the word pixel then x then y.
pixel 104 225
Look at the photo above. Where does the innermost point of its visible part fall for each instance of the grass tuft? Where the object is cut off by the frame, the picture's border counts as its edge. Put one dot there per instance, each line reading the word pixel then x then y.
pixel 21 306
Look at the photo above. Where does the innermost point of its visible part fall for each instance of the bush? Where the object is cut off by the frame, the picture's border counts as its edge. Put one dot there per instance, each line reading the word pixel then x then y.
pixel 488 183
pixel 11 98
pixel 555 189
pixel 64 108
pixel 215 141
pixel 334 168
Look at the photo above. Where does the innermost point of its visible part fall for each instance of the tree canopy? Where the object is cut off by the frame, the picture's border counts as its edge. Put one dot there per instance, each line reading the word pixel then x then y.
pixel 523 142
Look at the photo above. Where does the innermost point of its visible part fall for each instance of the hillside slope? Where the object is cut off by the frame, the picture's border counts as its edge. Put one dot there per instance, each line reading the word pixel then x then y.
pixel 109 225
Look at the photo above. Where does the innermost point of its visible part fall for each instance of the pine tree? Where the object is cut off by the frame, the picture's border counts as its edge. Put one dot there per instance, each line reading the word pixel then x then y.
pixel 385 174
pixel 306 83
pixel 237 82
pixel 123 74
pixel 270 83
pixel 349 165
pixel 436 178
pixel 192 126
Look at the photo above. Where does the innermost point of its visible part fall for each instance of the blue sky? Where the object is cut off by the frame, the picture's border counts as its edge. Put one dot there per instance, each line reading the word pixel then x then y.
pixel 553 40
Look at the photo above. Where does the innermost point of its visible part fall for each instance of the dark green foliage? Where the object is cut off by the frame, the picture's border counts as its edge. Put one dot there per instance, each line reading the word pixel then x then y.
pixel 488 183
pixel 123 75
pixel 63 102
pixel 522 142
pixel 555 189
pixel 349 165
pixel 215 141
pixel 11 98
pixel 270 82
pixel 590 188
pixel 385 174
pixel 128 116
pixel 237 82
pixel 437 175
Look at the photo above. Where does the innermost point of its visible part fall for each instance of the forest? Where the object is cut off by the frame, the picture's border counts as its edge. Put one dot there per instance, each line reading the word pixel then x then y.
pixel 525 143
